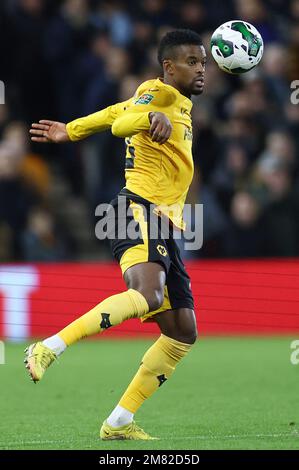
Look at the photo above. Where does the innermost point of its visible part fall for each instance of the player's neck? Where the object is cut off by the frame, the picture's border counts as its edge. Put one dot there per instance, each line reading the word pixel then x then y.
pixel 169 81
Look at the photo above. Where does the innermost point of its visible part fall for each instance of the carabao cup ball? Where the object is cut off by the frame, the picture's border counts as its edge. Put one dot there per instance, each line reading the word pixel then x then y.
pixel 237 46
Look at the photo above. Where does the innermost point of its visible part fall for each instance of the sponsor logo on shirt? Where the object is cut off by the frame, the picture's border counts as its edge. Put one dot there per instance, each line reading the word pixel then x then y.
pixel 146 98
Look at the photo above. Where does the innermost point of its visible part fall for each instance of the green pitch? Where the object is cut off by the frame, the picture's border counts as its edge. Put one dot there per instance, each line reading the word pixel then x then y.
pixel 227 394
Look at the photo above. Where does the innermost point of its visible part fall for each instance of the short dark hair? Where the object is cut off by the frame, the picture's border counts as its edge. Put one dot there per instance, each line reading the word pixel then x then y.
pixel 176 38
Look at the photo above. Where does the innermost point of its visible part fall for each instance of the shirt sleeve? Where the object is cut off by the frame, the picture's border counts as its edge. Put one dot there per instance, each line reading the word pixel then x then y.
pixel 100 121
pixel 135 118
pixel 130 123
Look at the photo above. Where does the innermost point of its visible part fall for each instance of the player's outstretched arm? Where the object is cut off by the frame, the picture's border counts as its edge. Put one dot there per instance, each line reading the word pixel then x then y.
pixel 132 122
pixel 49 132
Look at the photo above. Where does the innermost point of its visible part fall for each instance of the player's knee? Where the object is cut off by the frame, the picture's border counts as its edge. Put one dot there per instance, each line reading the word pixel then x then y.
pixel 154 298
pixel 189 335
pixel 192 334
pixel 192 337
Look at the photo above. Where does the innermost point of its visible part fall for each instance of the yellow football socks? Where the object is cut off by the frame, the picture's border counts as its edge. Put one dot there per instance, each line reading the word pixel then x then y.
pixel 156 367
pixel 110 312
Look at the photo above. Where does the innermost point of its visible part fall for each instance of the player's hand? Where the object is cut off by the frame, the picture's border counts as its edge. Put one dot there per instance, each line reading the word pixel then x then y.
pixel 49 132
pixel 161 127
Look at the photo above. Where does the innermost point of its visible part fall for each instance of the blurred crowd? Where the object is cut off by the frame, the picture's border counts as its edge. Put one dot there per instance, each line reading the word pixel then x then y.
pixel 65 59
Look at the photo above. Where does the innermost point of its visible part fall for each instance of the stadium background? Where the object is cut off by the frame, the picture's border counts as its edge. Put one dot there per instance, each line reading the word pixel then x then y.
pixel 64 59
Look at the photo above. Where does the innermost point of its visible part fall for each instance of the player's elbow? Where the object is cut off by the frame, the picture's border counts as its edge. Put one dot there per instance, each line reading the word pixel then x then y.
pixel 118 129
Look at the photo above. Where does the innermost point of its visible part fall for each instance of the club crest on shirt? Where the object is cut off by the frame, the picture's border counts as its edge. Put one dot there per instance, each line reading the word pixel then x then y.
pixel 146 98
pixel 162 250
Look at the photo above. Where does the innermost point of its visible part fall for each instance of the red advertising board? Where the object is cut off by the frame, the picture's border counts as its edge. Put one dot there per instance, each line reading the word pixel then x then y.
pixel 231 297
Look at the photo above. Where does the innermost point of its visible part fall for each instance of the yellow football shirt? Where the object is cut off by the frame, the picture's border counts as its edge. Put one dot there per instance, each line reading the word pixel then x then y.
pixel 160 174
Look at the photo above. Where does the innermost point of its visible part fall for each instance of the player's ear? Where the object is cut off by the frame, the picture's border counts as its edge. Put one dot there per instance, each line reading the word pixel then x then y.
pixel 168 66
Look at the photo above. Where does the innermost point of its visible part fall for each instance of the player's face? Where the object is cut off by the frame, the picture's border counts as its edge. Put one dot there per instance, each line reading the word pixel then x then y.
pixel 189 69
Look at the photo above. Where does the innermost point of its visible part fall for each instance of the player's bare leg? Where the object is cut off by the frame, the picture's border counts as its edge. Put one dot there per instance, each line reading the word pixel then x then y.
pixel 149 279
pixel 179 324
pixel 145 293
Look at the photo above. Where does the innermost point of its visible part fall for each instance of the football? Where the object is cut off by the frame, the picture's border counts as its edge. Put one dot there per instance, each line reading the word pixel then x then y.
pixel 237 46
